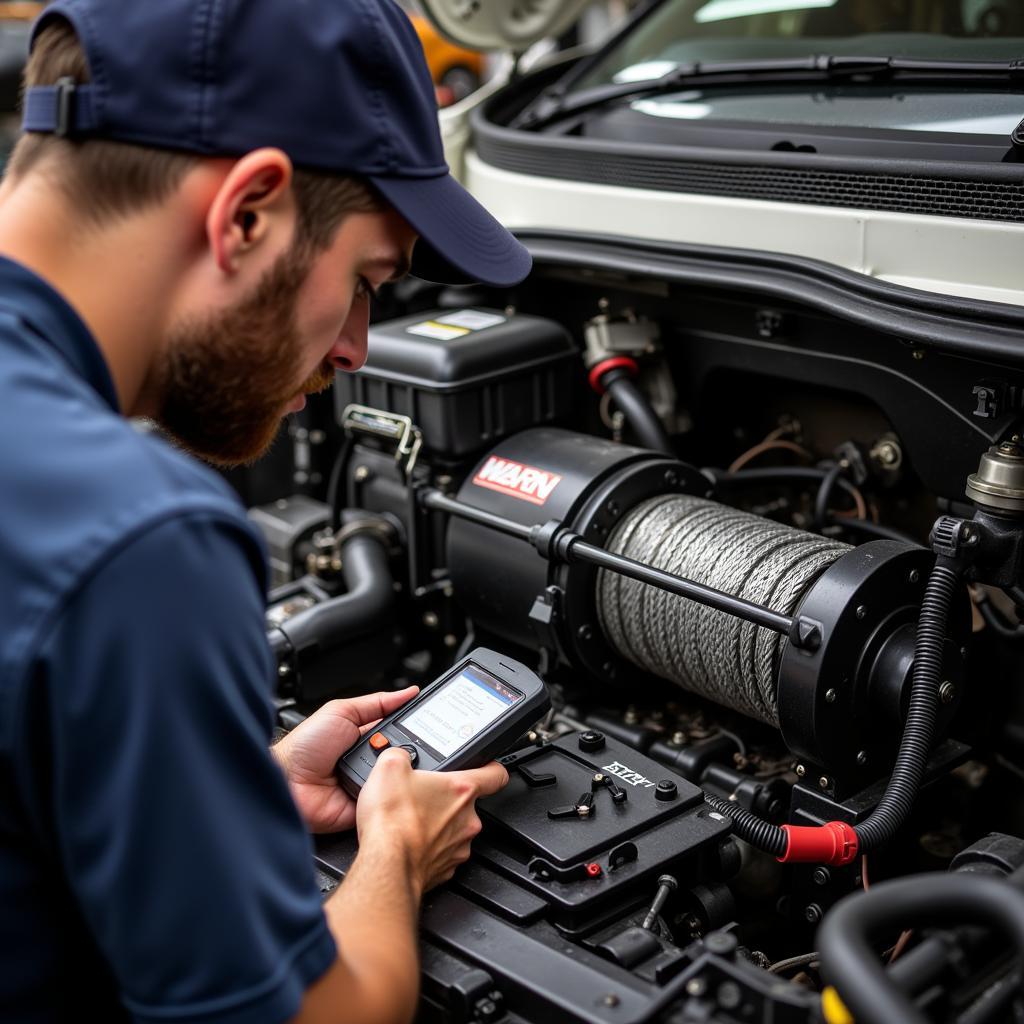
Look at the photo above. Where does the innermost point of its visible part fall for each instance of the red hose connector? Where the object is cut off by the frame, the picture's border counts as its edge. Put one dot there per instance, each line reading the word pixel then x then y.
pixel 834 843
pixel 611 363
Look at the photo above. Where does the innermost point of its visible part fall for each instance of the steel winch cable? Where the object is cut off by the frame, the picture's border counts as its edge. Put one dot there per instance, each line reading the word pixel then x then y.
pixel 702 649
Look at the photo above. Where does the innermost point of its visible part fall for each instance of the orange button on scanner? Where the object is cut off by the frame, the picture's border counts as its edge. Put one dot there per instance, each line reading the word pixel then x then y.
pixel 379 742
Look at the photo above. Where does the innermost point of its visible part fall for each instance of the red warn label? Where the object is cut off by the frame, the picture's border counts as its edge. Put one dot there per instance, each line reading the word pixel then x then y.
pixel 516 480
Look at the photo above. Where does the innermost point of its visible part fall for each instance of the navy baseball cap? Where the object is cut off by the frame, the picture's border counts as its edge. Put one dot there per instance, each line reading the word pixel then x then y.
pixel 338 85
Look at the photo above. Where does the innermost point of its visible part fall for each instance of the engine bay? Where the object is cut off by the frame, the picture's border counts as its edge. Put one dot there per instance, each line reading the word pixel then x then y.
pixel 760 529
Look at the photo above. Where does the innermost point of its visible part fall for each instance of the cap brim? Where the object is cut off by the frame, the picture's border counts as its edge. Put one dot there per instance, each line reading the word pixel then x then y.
pixel 460 242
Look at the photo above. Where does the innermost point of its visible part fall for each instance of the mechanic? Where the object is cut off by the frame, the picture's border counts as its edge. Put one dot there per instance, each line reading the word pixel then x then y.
pixel 208 193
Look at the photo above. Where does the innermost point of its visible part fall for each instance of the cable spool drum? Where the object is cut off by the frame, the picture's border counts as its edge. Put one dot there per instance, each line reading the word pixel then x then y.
pixel 706 651
pixel 839 707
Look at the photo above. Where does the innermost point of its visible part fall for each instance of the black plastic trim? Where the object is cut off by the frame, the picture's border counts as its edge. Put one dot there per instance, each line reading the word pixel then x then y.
pixel 937 188
pixel 971 328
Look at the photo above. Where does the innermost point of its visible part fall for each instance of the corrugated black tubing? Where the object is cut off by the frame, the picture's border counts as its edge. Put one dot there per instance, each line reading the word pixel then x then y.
pixel 851 964
pixel 640 415
pixel 919 730
pixel 762 835
pixel 915 746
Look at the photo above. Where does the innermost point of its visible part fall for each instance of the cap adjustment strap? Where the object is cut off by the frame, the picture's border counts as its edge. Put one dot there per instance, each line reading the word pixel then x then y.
pixel 65 109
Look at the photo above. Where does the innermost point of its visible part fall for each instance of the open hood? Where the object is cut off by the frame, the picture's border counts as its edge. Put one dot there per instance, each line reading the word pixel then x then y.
pixel 513 25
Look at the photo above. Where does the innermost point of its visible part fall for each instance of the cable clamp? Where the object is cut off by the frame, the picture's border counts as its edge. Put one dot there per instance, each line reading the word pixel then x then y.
pixel 606 366
pixel 834 843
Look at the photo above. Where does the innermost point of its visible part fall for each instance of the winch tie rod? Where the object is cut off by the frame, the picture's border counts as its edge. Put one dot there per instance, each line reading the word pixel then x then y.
pixel 557 543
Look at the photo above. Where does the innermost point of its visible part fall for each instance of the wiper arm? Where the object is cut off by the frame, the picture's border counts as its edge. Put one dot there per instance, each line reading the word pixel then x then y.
pixel 556 103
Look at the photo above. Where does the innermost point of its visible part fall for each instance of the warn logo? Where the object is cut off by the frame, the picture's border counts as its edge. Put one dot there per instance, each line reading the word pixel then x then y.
pixel 620 771
pixel 516 480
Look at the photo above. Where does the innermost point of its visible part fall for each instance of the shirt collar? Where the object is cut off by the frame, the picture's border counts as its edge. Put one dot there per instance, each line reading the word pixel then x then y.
pixel 52 318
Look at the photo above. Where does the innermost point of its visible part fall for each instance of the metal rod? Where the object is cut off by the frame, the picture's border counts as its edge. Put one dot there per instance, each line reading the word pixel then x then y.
pixel 572 548
pixel 442 503
pixel 581 551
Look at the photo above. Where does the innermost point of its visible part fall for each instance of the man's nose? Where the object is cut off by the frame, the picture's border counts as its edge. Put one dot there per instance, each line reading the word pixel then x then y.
pixel 349 351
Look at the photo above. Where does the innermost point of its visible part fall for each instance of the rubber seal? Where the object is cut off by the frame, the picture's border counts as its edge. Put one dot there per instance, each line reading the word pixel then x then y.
pixel 611 363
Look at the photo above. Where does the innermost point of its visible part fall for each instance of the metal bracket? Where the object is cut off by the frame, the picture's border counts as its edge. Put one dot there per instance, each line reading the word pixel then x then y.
pixel 388 427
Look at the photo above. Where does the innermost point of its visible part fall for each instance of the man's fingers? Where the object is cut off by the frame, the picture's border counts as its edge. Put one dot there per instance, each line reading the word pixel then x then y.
pixel 374 706
pixel 489 779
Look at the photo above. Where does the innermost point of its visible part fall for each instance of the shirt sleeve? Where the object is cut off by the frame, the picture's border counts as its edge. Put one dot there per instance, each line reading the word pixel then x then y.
pixel 171 820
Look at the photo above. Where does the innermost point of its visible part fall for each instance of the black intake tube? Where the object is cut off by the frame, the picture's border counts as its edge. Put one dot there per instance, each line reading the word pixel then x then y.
pixel 851 964
pixel 633 404
pixel 366 606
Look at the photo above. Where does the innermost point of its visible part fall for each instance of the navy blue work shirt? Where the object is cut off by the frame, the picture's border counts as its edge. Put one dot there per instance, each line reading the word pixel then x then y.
pixel 152 863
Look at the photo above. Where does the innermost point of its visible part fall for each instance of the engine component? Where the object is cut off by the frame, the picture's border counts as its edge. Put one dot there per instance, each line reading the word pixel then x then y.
pixel 839 700
pixel 721 657
pixel 998 485
pixel 465 378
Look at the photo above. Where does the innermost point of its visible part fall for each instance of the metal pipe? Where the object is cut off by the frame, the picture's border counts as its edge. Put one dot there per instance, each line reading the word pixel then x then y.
pixel 558 543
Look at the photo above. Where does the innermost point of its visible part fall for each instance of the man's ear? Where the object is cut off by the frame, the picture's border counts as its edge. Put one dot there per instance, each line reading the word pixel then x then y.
pixel 253 203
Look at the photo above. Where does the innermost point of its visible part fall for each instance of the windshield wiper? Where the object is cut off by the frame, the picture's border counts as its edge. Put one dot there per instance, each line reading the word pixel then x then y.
pixel 557 102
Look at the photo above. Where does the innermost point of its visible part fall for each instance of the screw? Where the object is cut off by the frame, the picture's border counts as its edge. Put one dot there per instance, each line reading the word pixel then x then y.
pixel 361 474
pixel 919 353
pixel 801 771
pixel 862 611
pixel 830 696
pixel 611 999
pixel 823 782
pixel 284 670
pixel 696 987
pixel 915 576
pixel 666 886
pixel 862 757
pixel 585 632
pixel 812 913
pixel 821 876
pixel 430 620
pixel 678 739
pixel 947 691
pixel 729 995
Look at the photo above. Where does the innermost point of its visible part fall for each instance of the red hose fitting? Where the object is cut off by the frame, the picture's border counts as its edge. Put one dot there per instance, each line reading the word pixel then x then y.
pixel 611 363
pixel 834 843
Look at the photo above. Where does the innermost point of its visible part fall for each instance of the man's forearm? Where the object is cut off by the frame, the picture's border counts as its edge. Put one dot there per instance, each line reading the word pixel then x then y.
pixel 372 916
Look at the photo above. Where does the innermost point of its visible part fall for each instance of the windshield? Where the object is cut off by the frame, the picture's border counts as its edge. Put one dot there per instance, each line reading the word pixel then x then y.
pixel 682 31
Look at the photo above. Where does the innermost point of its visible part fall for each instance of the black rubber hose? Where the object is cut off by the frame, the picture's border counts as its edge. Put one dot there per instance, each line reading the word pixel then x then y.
pixel 762 835
pixel 995 620
pixel 633 404
pixel 853 967
pixel 824 496
pixel 873 529
pixel 366 606
pixel 919 729
pixel 780 475
pixel 336 484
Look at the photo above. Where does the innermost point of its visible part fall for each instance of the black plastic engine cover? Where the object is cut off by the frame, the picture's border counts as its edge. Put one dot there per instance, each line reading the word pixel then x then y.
pixel 631 842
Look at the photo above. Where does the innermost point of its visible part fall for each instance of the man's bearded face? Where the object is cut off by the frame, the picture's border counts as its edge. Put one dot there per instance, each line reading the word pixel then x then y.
pixel 227 380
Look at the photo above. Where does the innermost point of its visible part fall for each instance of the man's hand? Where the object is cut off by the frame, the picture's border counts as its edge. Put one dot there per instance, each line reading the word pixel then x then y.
pixel 429 816
pixel 310 751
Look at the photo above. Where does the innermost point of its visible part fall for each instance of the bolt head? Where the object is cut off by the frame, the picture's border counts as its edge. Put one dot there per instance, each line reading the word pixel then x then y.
pixel 611 999
pixel 361 474
pixel 862 611
pixel 862 757
pixel 915 576
pixel 947 691
pixel 812 913
pixel 823 782
pixel 696 987
pixel 800 770
pixel 830 696
pixel 821 876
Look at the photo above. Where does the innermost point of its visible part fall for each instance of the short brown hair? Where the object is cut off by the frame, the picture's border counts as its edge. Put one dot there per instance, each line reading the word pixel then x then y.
pixel 106 180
